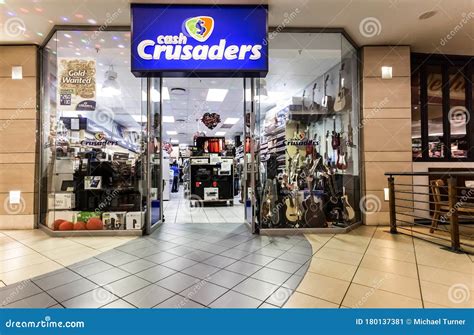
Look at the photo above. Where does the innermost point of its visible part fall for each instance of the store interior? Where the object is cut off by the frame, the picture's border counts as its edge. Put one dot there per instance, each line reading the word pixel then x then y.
pixel 98 172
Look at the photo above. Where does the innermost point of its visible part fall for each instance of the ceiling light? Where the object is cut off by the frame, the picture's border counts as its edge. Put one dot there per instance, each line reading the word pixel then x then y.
pixel 220 133
pixel 67 35
pixel 231 120
pixel 92 21
pixel 166 93
pixel 155 95
pixel 174 141
pixel 386 72
pixel 17 72
pixel 216 94
pixel 427 15
pixel 172 132
pixel 111 87
pixel 168 118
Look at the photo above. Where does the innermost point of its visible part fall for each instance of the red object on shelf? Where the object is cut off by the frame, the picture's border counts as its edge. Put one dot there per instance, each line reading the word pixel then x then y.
pixel 198 183
pixel 214 184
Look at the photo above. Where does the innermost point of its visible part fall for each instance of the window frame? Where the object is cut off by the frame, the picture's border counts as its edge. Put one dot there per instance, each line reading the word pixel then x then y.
pixel 420 62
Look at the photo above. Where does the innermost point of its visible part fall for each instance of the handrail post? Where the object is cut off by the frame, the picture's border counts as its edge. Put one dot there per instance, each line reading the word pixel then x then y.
pixel 453 213
pixel 391 196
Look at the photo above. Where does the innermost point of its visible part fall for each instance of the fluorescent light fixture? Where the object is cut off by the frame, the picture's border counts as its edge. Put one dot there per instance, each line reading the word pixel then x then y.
pixel 168 118
pixel 171 132
pixel 220 133
pixel 386 194
pixel 386 72
pixel 216 94
pixel 174 141
pixel 139 118
pixel 231 120
pixel 14 197
pixel 155 95
pixel 17 72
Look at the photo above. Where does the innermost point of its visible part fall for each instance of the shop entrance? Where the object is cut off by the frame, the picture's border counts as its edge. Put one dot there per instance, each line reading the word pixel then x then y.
pixel 201 166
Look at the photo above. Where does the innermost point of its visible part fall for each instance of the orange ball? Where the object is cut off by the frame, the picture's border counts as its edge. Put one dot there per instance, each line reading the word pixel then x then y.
pixel 94 224
pixel 57 223
pixel 66 225
pixel 79 225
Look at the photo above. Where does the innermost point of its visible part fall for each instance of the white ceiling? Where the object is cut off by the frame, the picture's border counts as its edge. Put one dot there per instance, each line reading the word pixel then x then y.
pixel 396 21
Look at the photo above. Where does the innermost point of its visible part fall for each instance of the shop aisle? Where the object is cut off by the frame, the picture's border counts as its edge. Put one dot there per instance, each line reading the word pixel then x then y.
pixel 178 210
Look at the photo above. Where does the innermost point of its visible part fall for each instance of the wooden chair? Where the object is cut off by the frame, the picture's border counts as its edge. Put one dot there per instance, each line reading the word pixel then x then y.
pixel 443 205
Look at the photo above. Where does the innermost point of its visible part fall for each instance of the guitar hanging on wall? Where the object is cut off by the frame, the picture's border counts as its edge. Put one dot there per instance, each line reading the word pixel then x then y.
pixel 327 101
pixel 340 102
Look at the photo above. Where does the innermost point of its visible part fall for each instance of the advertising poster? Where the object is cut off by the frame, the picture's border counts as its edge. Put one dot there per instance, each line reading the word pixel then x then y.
pixel 77 84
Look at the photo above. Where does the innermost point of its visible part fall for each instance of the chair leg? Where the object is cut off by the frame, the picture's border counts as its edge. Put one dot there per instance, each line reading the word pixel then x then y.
pixel 434 222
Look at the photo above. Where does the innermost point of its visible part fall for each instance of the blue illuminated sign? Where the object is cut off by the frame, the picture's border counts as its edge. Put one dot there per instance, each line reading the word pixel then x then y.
pixel 202 40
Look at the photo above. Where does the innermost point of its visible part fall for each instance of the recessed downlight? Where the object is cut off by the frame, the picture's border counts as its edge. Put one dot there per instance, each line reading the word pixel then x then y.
pixel 427 15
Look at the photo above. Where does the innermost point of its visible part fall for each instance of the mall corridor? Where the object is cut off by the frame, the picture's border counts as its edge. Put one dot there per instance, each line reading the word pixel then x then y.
pixel 223 265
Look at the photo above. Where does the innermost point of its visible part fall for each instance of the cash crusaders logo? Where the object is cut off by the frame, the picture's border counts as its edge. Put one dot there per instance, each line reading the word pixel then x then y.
pixel 200 27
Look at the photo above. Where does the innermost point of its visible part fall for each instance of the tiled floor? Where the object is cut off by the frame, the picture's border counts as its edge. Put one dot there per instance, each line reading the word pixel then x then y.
pixel 197 265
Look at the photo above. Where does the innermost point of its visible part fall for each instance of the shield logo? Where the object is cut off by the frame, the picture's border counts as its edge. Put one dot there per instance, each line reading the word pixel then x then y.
pixel 200 27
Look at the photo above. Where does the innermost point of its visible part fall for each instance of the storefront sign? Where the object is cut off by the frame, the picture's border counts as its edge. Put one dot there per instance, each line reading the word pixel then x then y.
pixel 173 40
pixel 76 84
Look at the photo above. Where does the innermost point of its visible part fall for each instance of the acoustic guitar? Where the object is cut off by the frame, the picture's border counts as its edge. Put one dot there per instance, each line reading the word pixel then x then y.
pixel 326 102
pixel 340 102
pixel 348 211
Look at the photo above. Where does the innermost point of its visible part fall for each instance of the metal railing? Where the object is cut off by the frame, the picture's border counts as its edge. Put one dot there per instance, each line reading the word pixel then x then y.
pixel 446 206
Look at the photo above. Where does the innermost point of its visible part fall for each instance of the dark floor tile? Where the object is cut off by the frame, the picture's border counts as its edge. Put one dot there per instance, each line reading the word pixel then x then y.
pixel 271 276
pixel 41 300
pixel 256 288
pixel 119 304
pixel 92 299
pixel 160 257
pixel 126 285
pixel 258 259
pixel 200 270
pixel 226 278
pixel 243 268
pixel 18 291
pixel 120 260
pixel 91 269
pixel 270 252
pixel 235 253
pixel 71 290
pixel 148 297
pixel 204 292
pixel 181 250
pixel 293 282
pixel 58 279
pixel 179 301
pixel 108 276
pixel 179 263
pixel 198 255
pixel 137 266
pixel 280 296
pixel 282 265
pixel 233 299
pixel 219 261
pixel 177 282
pixel 155 273
pixel 295 258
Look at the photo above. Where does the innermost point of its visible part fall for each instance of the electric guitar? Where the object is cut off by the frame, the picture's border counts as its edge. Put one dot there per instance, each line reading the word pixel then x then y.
pixel 314 105
pixel 340 102
pixel 270 214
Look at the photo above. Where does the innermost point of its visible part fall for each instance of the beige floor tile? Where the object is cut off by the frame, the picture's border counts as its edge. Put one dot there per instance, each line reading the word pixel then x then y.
pixel 359 296
pixel 51 244
pixel 444 259
pixel 71 259
pixel 392 241
pixel 21 235
pixel 323 287
pixel 428 304
pixel 15 252
pixel 332 269
pixel 346 244
pixel 67 251
pixel 300 300
pixel 457 296
pixel 29 272
pixel 8 243
pixel 388 282
pixel 446 277
pixel 2 284
pixel 317 241
pixel 347 257
pixel 389 265
pixel 22 262
pixel 399 255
